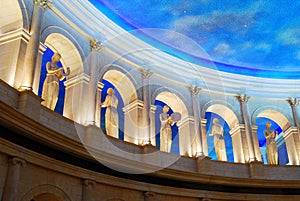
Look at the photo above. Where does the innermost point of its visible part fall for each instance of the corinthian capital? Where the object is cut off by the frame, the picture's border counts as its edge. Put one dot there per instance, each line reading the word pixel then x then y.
pixel 194 89
pixel 42 3
pixel 293 101
pixel 16 161
pixel 95 45
pixel 88 182
pixel 243 98
pixel 146 73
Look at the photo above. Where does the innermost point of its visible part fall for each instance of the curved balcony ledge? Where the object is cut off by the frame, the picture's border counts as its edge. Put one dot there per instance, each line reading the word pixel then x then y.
pixel 44 128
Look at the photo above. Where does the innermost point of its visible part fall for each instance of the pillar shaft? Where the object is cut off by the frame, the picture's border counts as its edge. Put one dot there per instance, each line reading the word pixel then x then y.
pixel 33 45
pixel 87 190
pixel 248 129
pixel 146 74
pixel 293 103
pixel 197 116
pixel 12 179
pixel 91 94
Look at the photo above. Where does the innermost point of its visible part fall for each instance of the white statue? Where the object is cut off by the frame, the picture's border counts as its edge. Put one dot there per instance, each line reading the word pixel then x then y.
pixel 219 142
pixel 111 114
pixel 51 84
pixel 165 130
pixel 272 152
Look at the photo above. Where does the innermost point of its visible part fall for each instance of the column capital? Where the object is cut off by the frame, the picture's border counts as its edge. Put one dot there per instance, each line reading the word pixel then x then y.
pixel 95 45
pixel 149 195
pixel 243 98
pixel 16 160
pixel 146 73
pixel 42 3
pixel 89 182
pixel 195 90
pixel 293 101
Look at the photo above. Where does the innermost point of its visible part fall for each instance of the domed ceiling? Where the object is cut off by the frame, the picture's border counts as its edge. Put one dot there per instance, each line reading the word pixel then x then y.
pixel 257 38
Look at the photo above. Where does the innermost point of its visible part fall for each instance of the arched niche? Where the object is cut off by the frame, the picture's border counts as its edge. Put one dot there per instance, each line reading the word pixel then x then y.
pixel 174 128
pixel 12 46
pixel 227 116
pixel 70 56
pixel 186 132
pixel 128 119
pixel 277 117
pixel 11 17
pixel 226 113
pixel 123 84
pixel 173 101
pixel 280 124
pixel 46 197
pixel 46 192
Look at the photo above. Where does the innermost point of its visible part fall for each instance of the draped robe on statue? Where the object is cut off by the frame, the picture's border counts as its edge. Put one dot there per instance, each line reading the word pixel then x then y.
pixel 219 142
pixel 111 115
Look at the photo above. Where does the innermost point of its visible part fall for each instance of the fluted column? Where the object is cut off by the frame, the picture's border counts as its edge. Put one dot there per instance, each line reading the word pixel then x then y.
pixel 292 135
pixel 33 44
pixel 293 103
pixel 195 91
pixel 248 129
pixel 87 190
pixel 12 180
pixel 91 96
pixel 146 74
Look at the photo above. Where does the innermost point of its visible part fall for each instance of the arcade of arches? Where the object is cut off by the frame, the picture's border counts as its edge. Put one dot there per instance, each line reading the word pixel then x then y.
pixel 100 144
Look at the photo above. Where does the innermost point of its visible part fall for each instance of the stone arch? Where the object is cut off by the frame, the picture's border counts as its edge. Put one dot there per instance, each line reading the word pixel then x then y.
pixel 281 117
pixel 13 16
pixel 122 80
pixel 233 122
pixel 44 191
pixel 171 98
pixel 218 104
pixel 186 134
pixel 64 43
pixel 226 113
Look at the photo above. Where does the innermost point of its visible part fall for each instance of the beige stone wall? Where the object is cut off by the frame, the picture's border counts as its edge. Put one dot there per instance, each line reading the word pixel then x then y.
pixel 3 171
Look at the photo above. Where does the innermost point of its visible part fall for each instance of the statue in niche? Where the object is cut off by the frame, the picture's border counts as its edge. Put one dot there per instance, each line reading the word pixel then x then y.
pixel 165 129
pixel 111 114
pixel 219 142
pixel 271 147
pixel 51 84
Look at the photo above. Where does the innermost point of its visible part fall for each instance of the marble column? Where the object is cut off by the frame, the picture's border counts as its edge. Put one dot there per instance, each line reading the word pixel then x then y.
pixel 197 116
pixel 98 102
pixel 293 103
pixel 33 44
pixel 146 74
pixel 12 178
pixel 243 99
pixel 91 95
pixel 87 190
pixel 293 140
